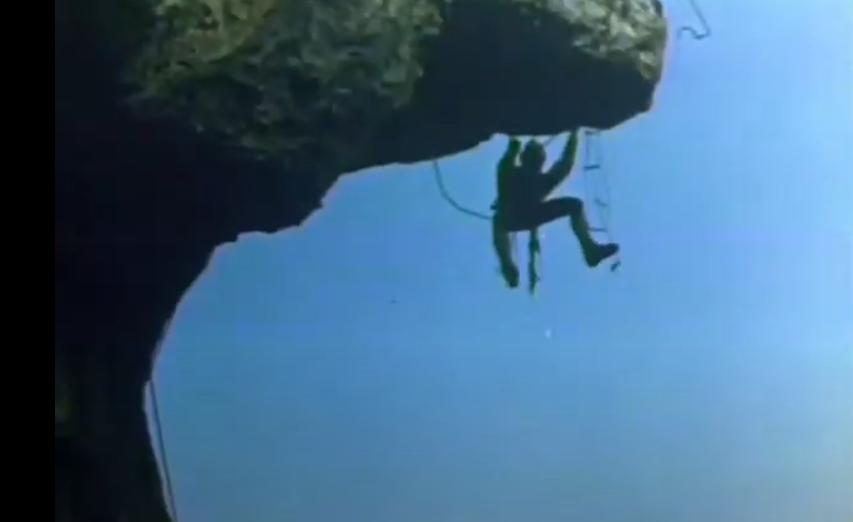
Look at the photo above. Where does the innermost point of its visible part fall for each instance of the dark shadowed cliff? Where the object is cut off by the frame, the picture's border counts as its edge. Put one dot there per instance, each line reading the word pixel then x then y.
pixel 179 126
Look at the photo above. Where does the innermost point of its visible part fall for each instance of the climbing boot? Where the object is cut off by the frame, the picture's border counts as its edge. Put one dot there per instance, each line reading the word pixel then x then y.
pixel 510 274
pixel 595 253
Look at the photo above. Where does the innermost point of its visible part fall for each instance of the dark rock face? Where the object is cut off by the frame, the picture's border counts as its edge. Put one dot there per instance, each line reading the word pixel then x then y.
pixel 150 176
pixel 527 67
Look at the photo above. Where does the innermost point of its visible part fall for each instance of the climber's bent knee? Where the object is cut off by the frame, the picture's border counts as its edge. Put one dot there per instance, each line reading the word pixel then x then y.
pixel 552 210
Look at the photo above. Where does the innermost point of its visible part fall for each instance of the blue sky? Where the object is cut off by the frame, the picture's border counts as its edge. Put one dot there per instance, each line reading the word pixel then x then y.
pixel 372 366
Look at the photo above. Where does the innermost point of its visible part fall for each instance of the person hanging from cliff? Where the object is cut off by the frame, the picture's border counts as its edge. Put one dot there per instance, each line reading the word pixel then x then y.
pixel 521 205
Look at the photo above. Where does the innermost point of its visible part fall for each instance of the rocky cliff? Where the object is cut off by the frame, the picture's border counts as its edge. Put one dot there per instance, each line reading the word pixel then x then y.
pixel 180 124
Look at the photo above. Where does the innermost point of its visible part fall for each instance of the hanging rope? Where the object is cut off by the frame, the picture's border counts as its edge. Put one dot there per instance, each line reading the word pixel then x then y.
pixel 161 443
pixel 705 31
pixel 161 439
pixel 439 180
pixel 593 163
pixel 445 194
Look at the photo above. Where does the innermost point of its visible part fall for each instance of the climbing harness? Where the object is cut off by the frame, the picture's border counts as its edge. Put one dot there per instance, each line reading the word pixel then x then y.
pixel 158 428
pixel 601 199
pixel 696 34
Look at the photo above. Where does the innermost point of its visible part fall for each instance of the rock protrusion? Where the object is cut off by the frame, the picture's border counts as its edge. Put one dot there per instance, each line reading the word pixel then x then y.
pixel 180 124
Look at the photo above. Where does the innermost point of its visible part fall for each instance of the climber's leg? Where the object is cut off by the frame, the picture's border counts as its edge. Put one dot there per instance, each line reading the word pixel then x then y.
pixel 573 208
pixel 503 248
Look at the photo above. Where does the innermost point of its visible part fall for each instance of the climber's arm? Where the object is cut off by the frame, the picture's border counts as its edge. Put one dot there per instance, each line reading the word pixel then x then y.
pixel 562 168
pixel 506 165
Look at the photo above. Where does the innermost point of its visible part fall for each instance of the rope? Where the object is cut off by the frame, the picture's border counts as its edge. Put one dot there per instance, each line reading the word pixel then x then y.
pixel 601 199
pixel 161 439
pixel 439 180
pixel 445 194
pixel 703 22
pixel 161 443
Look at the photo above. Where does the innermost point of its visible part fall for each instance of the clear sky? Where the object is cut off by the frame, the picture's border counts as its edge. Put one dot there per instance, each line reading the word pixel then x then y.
pixel 372 366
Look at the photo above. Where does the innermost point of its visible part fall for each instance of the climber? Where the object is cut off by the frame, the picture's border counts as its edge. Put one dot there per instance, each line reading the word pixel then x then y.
pixel 521 204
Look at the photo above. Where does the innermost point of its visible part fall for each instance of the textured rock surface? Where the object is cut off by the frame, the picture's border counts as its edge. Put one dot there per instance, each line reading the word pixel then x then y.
pixel 178 128
pixel 527 67
pixel 295 81
pixel 338 81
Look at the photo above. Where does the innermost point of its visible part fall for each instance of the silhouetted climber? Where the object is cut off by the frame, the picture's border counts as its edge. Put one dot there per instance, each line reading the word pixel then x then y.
pixel 521 205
